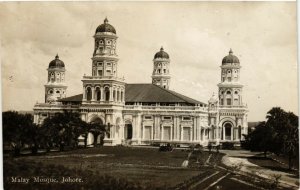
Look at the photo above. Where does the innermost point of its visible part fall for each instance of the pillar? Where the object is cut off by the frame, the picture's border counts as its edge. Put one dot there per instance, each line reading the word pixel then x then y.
pixel 93 93
pixel 84 94
pixel 101 94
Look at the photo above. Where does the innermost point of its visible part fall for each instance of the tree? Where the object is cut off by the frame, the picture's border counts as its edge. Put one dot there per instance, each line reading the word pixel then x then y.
pixel 260 139
pixel 18 130
pixel 279 134
pixel 63 129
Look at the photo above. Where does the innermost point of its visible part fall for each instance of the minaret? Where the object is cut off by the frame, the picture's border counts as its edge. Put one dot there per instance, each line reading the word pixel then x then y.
pixel 55 88
pixel 230 89
pixel 232 113
pixel 161 72
pixel 104 86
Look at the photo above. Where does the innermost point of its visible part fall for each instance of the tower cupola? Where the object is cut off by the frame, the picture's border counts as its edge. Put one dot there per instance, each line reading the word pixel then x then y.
pixel 161 54
pixel 161 73
pixel 55 88
pixel 105 27
pixel 230 59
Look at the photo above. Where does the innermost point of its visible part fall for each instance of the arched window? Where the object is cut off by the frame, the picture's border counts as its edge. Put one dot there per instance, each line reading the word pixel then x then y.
pixel 228 92
pixel 122 98
pixel 114 95
pixel 88 93
pixel 107 94
pixel 228 101
pixel 118 96
pixel 98 94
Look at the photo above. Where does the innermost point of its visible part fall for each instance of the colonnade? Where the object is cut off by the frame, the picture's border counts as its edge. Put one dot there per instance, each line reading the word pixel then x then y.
pixel 106 93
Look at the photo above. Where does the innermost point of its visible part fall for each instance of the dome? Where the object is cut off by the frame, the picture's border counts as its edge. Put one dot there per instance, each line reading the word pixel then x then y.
pixel 105 27
pixel 161 54
pixel 230 58
pixel 56 63
pixel 213 98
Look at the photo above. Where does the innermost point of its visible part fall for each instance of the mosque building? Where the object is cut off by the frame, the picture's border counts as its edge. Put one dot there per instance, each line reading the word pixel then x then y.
pixel 146 114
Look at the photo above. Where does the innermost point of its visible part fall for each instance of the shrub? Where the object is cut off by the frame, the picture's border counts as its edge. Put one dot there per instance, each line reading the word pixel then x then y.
pixel 228 145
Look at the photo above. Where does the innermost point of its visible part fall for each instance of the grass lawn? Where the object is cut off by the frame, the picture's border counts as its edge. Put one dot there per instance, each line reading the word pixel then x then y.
pixel 271 164
pixel 144 165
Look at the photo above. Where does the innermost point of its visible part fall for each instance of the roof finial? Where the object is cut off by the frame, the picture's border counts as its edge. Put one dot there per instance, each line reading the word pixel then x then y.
pixel 230 51
pixel 56 57
pixel 105 20
pixel 161 49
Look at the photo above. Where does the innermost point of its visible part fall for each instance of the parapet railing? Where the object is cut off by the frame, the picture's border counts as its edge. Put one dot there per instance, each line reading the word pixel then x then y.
pixel 131 107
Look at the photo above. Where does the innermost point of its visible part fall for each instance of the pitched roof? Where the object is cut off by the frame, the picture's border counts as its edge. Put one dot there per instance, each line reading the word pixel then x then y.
pixel 148 93
pixel 76 98
pixel 152 93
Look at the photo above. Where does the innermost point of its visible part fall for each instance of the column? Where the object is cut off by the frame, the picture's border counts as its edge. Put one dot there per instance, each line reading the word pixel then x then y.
pixel 101 94
pixel 181 132
pixel 93 93
pixel 137 127
pixel 171 137
pixel 175 127
pixel 194 129
pixel 191 133
pixel 231 132
pixel 110 94
pixel 162 132
pixel 152 132
pixel 84 94
pixel 143 132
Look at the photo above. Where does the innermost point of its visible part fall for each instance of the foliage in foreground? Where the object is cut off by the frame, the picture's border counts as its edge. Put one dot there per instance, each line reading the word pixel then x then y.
pixel 59 130
pixel 279 135
pixel 91 180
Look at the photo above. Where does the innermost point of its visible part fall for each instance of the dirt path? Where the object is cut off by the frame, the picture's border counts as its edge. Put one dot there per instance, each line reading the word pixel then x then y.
pixel 234 157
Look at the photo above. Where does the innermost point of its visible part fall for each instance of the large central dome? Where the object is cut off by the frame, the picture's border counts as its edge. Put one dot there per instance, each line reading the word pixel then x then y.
pixel 105 27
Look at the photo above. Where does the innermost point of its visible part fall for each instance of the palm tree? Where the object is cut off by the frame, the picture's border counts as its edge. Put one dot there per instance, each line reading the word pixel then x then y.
pixel 64 129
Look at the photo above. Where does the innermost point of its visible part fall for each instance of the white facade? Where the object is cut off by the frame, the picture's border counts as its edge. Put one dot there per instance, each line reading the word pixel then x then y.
pixel 141 123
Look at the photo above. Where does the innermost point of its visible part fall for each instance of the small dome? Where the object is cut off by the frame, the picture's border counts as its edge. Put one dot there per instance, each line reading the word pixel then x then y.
pixel 56 63
pixel 161 54
pixel 230 58
pixel 105 27
pixel 213 98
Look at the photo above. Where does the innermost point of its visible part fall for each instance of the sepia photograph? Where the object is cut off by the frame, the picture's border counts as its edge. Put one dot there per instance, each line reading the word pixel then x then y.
pixel 140 95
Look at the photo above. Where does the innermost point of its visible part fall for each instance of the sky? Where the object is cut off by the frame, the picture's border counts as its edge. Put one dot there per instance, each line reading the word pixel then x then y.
pixel 196 35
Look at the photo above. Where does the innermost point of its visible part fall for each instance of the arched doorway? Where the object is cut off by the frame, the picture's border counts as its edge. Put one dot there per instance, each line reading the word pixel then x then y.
pixel 95 132
pixel 228 128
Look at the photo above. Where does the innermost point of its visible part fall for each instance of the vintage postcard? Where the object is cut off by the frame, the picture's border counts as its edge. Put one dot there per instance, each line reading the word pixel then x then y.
pixel 149 95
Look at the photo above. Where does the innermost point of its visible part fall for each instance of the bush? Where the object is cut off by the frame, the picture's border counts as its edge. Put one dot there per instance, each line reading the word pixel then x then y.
pixel 166 148
pixel 228 145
